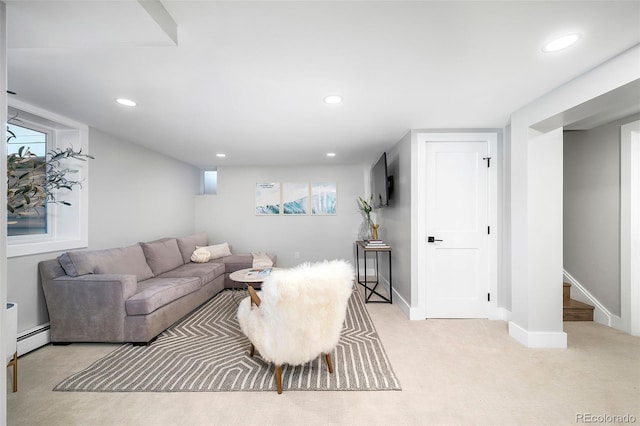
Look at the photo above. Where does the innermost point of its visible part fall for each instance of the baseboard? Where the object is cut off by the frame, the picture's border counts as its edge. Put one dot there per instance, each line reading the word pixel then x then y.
pixel 499 313
pixel 34 338
pixel 414 314
pixel 383 283
pixel 601 314
pixel 398 300
pixel 538 339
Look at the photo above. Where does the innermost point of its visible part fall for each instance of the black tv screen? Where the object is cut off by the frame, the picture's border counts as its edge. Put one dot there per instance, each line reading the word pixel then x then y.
pixel 379 182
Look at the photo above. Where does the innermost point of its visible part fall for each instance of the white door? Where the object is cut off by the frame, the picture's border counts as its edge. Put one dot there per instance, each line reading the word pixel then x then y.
pixel 457 261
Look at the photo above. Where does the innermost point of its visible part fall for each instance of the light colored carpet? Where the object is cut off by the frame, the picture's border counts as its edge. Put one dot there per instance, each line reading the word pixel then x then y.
pixel 453 372
pixel 207 352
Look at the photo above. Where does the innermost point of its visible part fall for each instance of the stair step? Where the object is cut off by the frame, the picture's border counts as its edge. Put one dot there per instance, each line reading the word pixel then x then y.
pixel 566 293
pixel 577 311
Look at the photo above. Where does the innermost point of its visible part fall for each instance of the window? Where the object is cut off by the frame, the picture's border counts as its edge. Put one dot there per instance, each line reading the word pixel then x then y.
pixel 54 227
pixel 34 139
pixel 210 182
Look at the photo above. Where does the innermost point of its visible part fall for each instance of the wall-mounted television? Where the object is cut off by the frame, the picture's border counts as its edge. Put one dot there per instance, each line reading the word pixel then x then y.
pixel 381 182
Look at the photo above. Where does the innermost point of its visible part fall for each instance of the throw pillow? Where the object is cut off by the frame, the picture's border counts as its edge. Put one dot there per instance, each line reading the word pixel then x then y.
pixel 200 255
pixel 162 255
pixel 218 250
pixel 122 260
pixel 188 244
pixel 67 262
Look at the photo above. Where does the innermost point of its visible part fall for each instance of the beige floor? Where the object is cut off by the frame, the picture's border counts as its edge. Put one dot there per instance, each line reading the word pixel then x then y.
pixel 451 372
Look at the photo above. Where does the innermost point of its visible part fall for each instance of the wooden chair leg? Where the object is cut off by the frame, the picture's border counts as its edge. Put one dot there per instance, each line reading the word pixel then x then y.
pixel 14 363
pixel 279 379
pixel 327 358
pixel 252 350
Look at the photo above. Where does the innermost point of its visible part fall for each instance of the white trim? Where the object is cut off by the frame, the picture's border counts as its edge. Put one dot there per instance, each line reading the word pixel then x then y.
pixel 500 314
pixel 492 218
pixel 601 314
pixel 630 228
pixel 418 211
pixel 382 281
pixel 422 138
pixel 538 339
pixel 414 314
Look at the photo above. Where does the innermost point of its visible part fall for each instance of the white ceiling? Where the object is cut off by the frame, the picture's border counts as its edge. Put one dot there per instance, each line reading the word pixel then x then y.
pixel 248 78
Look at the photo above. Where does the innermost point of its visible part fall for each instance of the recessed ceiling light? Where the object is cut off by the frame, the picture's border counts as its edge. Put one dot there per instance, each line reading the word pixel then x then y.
pixel 333 99
pixel 126 102
pixel 221 155
pixel 331 154
pixel 561 43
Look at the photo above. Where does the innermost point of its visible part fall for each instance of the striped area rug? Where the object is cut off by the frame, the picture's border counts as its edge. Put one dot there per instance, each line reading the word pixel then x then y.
pixel 207 352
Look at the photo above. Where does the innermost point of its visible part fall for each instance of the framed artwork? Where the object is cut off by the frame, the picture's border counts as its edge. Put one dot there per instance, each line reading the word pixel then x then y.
pixel 323 198
pixel 268 198
pixel 295 198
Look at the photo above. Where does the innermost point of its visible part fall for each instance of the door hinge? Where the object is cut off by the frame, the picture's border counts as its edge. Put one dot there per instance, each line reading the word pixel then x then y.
pixel 488 297
pixel 488 230
pixel 488 161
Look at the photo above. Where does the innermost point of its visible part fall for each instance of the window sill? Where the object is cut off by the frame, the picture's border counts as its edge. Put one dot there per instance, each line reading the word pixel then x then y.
pixel 26 249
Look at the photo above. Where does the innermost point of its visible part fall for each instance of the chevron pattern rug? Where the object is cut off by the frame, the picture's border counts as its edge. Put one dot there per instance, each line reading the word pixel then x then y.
pixel 207 352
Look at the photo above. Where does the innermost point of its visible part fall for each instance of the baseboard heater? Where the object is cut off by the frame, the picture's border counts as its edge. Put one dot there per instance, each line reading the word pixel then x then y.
pixel 34 338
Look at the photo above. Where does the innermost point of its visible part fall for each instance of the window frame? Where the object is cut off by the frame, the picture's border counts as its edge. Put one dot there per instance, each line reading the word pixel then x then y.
pixel 68 225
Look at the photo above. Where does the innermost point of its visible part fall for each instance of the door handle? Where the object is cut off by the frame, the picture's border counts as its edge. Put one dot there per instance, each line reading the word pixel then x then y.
pixel 432 239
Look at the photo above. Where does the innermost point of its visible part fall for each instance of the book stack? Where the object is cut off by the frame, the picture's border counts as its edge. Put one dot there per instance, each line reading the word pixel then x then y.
pixel 259 272
pixel 375 244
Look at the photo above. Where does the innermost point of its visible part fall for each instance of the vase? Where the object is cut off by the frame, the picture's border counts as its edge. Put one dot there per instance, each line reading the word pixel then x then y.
pixel 364 232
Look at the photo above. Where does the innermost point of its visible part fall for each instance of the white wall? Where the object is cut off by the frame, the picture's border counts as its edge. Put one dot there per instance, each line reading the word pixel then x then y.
pixel 395 220
pixel 528 325
pixel 592 210
pixel 230 215
pixel 544 286
pixel 135 195
pixel 3 201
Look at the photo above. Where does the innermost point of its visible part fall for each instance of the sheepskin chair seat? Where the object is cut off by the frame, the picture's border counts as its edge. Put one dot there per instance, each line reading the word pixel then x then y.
pixel 299 314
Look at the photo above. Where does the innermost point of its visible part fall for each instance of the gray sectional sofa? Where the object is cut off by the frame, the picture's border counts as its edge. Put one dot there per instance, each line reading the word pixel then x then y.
pixel 131 294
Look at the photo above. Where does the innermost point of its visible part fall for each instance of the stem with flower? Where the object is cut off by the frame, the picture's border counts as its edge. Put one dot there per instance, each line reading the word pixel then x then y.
pixel 366 206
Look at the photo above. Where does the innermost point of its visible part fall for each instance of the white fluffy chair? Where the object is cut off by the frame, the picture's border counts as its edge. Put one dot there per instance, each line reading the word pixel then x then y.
pixel 299 313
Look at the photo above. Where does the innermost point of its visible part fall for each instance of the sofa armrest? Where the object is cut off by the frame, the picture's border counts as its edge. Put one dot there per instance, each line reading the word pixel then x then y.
pixel 89 308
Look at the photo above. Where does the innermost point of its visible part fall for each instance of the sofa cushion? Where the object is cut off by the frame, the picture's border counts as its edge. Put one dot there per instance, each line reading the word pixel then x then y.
pixel 207 272
pixel 162 255
pixel 187 245
pixel 217 250
pixel 235 262
pixel 125 260
pixel 158 292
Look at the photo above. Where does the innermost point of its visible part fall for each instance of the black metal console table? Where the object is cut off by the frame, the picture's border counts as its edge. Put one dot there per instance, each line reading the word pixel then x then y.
pixel 370 291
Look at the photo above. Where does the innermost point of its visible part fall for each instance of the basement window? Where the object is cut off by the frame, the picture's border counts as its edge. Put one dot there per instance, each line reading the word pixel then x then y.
pixel 53 227
pixel 31 137
pixel 210 182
